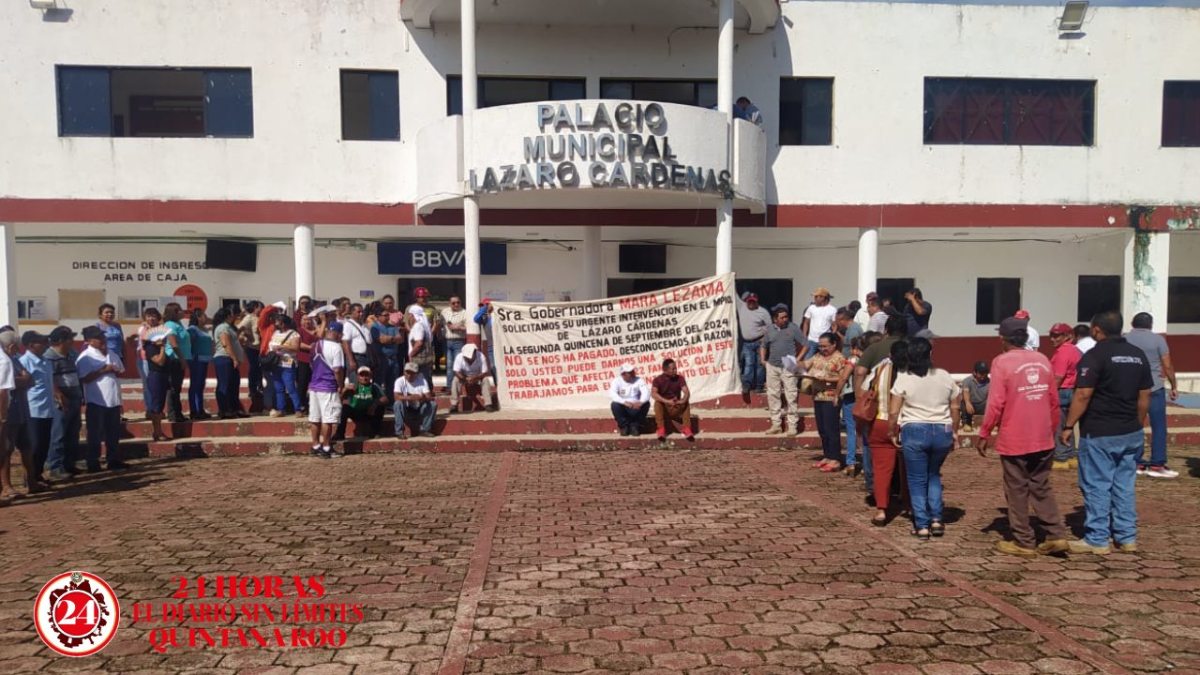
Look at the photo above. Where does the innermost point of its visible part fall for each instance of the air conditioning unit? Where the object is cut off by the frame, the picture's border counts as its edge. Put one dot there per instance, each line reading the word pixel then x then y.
pixel 43 4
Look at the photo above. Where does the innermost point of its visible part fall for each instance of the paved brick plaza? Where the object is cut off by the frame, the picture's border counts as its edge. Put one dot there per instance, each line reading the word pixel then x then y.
pixel 653 561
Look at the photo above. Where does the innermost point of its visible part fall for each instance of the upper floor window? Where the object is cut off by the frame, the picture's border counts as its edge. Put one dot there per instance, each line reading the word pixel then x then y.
pixel 806 111
pixel 701 93
pixel 370 105
pixel 983 111
pixel 161 102
pixel 1181 115
pixel 495 91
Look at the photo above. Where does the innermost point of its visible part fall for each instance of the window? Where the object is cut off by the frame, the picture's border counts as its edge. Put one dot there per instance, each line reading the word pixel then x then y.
pixel 1183 300
pixel 894 290
pixel 31 309
pixel 996 300
pixel 1097 294
pixel 701 93
pixel 770 292
pixel 806 111
pixel 154 102
pixel 1181 115
pixel 495 91
pixel 979 111
pixel 370 105
pixel 642 258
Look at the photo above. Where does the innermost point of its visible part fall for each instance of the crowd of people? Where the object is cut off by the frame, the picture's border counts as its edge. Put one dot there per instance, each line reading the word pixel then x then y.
pixel 871 373
pixel 332 364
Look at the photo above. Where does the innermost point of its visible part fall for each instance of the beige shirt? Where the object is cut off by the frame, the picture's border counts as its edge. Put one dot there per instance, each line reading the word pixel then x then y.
pixel 926 399
pixel 451 317
pixel 248 326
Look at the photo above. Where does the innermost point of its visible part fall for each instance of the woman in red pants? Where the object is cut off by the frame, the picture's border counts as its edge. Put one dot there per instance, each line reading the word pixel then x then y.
pixel 886 458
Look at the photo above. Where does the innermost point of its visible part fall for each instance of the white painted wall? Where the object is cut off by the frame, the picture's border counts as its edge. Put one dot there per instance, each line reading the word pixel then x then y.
pixel 946 269
pixel 878 54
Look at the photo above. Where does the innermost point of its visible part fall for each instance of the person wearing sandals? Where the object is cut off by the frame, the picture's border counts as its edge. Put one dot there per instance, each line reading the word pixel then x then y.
pixel 829 371
pixel 886 462
pixel 923 414
pixel 157 381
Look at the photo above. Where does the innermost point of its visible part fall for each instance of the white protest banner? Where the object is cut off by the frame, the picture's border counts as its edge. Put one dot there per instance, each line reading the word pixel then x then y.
pixel 564 355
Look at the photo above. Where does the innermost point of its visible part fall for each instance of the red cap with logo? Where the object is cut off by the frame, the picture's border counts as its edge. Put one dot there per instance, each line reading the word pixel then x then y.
pixel 1061 329
pixel 421 292
pixel 1021 314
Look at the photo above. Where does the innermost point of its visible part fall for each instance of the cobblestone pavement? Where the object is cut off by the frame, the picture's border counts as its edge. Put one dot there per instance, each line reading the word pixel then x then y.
pixel 654 561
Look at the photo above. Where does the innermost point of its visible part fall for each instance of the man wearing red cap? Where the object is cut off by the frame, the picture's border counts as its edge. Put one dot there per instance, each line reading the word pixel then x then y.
pixel 1064 362
pixel 1034 341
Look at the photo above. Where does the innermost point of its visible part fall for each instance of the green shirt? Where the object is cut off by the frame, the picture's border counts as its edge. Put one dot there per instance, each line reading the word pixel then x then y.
pixel 364 395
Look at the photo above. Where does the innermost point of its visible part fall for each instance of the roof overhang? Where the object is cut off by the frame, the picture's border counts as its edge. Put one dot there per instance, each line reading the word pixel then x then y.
pixel 753 16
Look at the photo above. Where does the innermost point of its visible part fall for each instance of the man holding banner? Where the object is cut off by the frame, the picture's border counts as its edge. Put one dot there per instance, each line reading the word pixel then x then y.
pixel 630 400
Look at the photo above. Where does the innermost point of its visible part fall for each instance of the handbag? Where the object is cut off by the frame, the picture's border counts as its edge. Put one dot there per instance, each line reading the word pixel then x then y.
pixel 866 406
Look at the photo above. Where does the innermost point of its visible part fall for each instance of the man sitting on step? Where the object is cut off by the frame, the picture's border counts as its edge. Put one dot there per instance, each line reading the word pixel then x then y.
pixel 471 379
pixel 414 405
pixel 671 401
pixel 630 400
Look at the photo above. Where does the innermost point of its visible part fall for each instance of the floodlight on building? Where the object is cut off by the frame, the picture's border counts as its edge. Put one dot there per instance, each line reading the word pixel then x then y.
pixel 1072 16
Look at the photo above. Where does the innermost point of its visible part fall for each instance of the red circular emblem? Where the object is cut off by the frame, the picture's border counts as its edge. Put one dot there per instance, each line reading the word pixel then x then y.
pixel 76 614
pixel 196 297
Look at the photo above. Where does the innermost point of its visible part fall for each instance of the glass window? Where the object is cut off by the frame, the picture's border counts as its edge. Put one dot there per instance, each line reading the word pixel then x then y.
pixel 894 290
pixel 996 300
pixel 84 107
pixel 701 93
pixel 806 111
pixel 1097 293
pixel 495 91
pixel 155 102
pixel 983 111
pixel 370 105
pixel 1183 300
pixel 1181 115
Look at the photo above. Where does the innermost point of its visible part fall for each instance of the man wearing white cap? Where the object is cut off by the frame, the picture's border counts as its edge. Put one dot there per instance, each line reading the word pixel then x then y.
pixel 471 377
pixel 630 400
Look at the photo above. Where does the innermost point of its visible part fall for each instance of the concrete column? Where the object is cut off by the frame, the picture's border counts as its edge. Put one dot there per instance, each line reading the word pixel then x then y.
pixel 724 242
pixel 1144 284
pixel 470 101
pixel 8 279
pixel 591 284
pixel 302 249
pixel 868 258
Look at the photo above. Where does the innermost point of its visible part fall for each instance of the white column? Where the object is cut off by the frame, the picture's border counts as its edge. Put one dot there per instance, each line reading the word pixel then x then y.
pixel 725 105
pixel 1144 285
pixel 591 283
pixel 8 280
pixel 302 249
pixel 470 96
pixel 868 258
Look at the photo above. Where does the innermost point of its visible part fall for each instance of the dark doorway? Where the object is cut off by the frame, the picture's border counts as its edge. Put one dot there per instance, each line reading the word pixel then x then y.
pixel 440 290
pixel 770 292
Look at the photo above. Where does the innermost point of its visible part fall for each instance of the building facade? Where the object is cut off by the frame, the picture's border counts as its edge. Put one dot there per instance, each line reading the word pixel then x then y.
pixel 979 151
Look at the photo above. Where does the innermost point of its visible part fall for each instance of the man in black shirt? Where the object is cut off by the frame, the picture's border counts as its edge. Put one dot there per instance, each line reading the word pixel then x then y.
pixel 1112 397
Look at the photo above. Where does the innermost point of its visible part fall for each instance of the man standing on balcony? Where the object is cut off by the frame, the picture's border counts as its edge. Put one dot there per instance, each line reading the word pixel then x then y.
pixel 745 110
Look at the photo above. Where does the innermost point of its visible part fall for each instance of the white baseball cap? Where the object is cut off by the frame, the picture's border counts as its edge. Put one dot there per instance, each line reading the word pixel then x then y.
pixel 627 368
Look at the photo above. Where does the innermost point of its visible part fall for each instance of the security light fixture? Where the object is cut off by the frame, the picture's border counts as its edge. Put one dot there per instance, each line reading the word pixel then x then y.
pixel 1072 16
pixel 44 5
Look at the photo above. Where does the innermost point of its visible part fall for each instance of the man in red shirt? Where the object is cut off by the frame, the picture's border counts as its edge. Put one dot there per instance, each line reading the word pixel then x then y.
pixel 1023 403
pixel 1064 362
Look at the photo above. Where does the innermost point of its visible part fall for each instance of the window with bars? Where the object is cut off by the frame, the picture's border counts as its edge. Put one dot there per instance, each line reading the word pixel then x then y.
pixel 1181 115
pixel 986 111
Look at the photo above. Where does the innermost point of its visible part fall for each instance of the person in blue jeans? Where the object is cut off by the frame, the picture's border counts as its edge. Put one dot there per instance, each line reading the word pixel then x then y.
pixel 753 321
pixel 1111 403
pixel 924 405
pixel 202 354
pixel 68 414
pixel 1163 371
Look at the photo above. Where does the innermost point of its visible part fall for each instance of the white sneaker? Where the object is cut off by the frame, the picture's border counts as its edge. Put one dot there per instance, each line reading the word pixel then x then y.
pixel 1141 470
pixel 1161 472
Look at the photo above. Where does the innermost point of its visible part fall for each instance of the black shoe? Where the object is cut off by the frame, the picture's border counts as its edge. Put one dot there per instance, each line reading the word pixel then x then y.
pixel 624 431
pixel 178 420
pixel 634 431
pixel 93 468
pixel 318 452
pixel 117 466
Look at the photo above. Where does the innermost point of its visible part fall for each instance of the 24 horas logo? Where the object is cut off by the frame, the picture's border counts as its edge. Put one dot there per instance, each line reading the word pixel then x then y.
pixel 76 614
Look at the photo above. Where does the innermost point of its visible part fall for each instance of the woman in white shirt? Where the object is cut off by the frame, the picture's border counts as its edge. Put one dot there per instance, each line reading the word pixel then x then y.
pixel 924 406
pixel 285 342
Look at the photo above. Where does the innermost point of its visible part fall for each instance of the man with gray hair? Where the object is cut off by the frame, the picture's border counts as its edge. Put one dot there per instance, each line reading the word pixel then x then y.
pixel 1143 337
